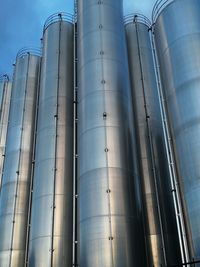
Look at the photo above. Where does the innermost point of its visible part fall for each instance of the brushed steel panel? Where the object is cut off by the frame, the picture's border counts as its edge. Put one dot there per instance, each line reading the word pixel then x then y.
pixel 92 143
pixel 93 77
pixel 17 258
pixel 109 102
pixel 39 227
pixel 40 250
pixel 44 169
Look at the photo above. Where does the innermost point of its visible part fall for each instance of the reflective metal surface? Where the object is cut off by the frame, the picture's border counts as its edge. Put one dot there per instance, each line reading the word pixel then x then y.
pixel 110 224
pixel 161 232
pixel 14 196
pixel 177 37
pixel 5 95
pixel 51 220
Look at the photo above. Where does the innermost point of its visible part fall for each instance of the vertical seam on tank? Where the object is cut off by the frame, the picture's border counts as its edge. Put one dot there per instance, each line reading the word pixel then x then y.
pixel 56 133
pixel 150 142
pixel 142 207
pixel 176 194
pixel 11 96
pixel 3 104
pixel 19 161
pixel 106 141
pixel 36 108
pixel 74 238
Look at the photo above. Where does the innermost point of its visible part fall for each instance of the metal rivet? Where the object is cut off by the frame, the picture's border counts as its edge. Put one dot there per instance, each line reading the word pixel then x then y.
pixel 106 149
pixel 108 191
pixel 104 115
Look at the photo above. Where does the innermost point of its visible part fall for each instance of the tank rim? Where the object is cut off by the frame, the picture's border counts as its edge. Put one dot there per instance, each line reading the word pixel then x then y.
pixel 29 51
pixel 158 7
pixel 4 77
pixel 137 17
pixel 58 16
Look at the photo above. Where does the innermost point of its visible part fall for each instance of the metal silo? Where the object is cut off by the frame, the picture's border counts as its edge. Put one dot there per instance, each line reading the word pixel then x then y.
pixel 17 171
pixel 109 204
pixel 5 95
pixel 51 219
pixel 159 215
pixel 177 40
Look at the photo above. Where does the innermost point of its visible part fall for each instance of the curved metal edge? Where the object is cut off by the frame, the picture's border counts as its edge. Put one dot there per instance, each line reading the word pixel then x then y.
pixel 59 16
pixel 137 17
pixel 158 7
pixel 4 78
pixel 29 51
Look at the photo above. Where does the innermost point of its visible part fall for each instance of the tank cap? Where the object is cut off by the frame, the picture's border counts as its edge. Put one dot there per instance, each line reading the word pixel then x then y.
pixel 4 78
pixel 158 8
pixel 137 17
pixel 59 16
pixel 29 51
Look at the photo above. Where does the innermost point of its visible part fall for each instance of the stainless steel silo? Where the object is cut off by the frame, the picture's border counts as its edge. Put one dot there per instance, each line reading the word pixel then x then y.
pixel 51 219
pixel 17 170
pixel 109 205
pixel 5 95
pixel 159 214
pixel 177 40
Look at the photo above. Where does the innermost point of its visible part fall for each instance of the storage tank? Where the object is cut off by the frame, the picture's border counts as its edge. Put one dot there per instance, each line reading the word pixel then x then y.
pixel 51 219
pixel 5 95
pixel 177 40
pixel 159 214
pixel 17 171
pixel 110 224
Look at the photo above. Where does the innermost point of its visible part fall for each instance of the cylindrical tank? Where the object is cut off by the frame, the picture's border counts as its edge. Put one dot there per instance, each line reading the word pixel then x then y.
pixel 109 205
pixel 51 219
pixel 177 39
pixel 5 95
pixel 159 215
pixel 17 171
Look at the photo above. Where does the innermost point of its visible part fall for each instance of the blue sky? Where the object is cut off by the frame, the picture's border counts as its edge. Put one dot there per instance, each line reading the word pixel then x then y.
pixel 21 23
